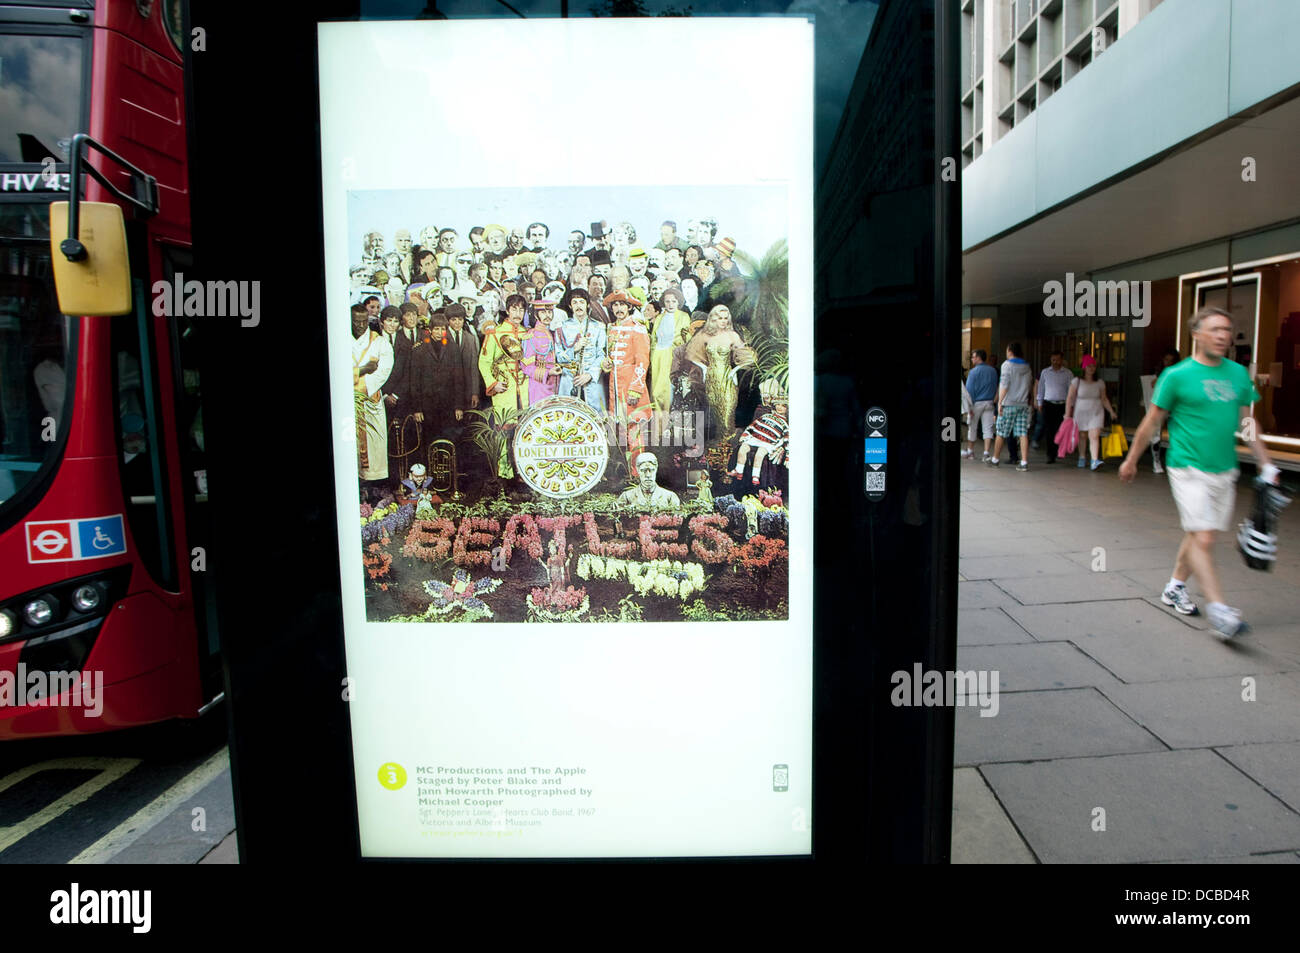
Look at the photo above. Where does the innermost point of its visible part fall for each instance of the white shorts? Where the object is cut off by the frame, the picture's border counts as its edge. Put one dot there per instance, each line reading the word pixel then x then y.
pixel 982 420
pixel 1204 500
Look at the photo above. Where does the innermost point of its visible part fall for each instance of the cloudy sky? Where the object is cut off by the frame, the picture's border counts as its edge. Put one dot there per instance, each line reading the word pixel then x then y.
pixel 842 27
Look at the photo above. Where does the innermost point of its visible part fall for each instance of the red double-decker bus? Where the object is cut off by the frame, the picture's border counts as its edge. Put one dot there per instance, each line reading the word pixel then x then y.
pixel 103 605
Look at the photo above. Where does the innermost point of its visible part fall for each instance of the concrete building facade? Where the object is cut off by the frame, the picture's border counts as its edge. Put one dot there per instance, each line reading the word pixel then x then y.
pixel 1134 141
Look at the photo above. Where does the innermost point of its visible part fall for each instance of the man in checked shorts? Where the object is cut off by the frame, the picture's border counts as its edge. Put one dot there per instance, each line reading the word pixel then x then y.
pixel 1015 393
pixel 1207 398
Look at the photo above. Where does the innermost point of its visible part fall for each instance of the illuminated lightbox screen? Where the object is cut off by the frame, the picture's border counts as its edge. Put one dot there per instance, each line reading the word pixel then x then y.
pixel 571 380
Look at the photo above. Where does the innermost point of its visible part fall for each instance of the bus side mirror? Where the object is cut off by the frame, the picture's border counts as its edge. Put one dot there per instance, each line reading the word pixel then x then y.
pixel 98 282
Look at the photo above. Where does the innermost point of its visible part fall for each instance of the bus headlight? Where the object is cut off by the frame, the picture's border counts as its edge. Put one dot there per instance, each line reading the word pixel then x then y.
pixel 39 611
pixel 86 599
pixel 7 623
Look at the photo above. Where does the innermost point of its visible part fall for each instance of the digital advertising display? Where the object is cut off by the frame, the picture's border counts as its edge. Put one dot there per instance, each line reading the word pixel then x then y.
pixel 571 384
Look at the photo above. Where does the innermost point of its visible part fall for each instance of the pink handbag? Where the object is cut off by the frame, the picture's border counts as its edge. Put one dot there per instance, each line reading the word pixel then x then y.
pixel 1067 437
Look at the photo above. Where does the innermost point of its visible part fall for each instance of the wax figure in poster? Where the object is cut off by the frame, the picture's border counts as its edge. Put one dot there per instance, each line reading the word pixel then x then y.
pixel 372 363
pixel 439 378
pixel 580 352
pixel 504 378
pixel 670 330
pixel 719 352
pixel 628 367
pixel 539 354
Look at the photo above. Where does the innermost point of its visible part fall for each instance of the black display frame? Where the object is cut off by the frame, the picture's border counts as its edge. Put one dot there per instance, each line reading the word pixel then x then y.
pixel 882 775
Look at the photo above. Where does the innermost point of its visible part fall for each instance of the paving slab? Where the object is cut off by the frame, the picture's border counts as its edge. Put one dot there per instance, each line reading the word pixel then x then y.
pixel 1082 623
pixel 1232 575
pixel 1033 564
pixel 981 831
pixel 1167 805
pixel 1210 712
pixel 982 594
pixel 1285 857
pixel 227 852
pixel 1076 587
pixel 977 546
pixel 1279 641
pixel 988 627
pixel 1275 766
pixel 1034 667
pixel 1030 726
pixel 1167 648
pixel 1118 536
pixel 1277 604
pixel 1153 558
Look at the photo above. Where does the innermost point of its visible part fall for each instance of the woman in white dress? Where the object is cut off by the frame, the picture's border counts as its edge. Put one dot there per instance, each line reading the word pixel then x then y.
pixel 1086 403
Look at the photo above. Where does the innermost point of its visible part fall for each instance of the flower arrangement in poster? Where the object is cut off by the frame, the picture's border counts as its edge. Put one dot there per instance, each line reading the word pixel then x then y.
pixel 475 531
pixel 461 595
pixel 674 579
pixel 430 540
pixel 378 561
pixel 387 520
pixel 557 605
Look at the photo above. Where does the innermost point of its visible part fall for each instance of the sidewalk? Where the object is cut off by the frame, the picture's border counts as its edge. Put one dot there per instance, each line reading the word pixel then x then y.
pixel 1124 733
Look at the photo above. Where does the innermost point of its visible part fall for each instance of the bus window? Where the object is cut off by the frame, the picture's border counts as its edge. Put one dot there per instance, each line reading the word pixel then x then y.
pixel 34 385
pixel 41 79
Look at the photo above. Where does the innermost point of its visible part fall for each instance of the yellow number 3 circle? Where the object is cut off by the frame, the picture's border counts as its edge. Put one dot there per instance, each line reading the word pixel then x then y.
pixel 392 775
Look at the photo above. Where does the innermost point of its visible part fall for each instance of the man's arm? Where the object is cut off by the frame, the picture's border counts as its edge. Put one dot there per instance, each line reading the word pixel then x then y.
pixel 1150 426
pixel 1267 471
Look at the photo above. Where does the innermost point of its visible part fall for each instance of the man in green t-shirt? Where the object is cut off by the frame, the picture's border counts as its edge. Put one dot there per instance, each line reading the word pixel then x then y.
pixel 1209 398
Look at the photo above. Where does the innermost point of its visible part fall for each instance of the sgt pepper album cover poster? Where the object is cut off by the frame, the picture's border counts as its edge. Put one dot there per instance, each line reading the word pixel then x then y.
pixel 571 368
pixel 572 404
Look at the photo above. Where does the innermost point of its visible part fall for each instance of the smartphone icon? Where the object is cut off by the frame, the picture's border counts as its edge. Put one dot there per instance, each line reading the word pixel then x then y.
pixel 780 777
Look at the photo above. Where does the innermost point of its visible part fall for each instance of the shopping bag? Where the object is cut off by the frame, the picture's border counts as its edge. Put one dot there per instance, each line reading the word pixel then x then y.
pixel 1067 436
pixel 1115 444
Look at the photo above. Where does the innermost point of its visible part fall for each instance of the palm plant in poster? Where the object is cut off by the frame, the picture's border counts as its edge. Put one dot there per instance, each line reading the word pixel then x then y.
pixel 490 431
pixel 765 310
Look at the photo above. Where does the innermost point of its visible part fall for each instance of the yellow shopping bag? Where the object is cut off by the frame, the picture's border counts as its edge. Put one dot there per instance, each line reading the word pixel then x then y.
pixel 1115 443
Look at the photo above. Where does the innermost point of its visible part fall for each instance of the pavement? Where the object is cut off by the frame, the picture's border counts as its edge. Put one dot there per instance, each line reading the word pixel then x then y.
pixel 1124 732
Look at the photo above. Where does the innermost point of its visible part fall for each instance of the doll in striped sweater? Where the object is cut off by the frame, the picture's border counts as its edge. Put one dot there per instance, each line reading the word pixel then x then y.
pixel 768 436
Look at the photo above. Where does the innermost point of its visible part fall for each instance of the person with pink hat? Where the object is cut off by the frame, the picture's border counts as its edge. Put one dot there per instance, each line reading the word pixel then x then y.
pixel 1086 402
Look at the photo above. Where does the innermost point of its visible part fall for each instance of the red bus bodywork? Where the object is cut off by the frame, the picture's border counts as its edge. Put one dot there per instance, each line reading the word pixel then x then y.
pixel 148 646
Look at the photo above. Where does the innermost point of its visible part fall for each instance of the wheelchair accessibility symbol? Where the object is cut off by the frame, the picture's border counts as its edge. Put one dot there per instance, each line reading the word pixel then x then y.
pixel 102 536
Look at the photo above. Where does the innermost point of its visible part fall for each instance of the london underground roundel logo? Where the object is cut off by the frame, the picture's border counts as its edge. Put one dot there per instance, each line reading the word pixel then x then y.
pixel 50 542
pixel 560 447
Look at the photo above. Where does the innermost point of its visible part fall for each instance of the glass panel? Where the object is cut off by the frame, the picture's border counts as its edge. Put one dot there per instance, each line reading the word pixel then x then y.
pixel 40 96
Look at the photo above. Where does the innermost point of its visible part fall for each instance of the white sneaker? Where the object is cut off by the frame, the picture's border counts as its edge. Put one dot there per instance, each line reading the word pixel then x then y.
pixel 1157 468
pixel 967 454
pixel 1177 597
pixel 1227 621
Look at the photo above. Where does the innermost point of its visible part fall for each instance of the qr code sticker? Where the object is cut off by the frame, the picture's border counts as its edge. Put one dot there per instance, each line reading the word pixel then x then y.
pixel 875 483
